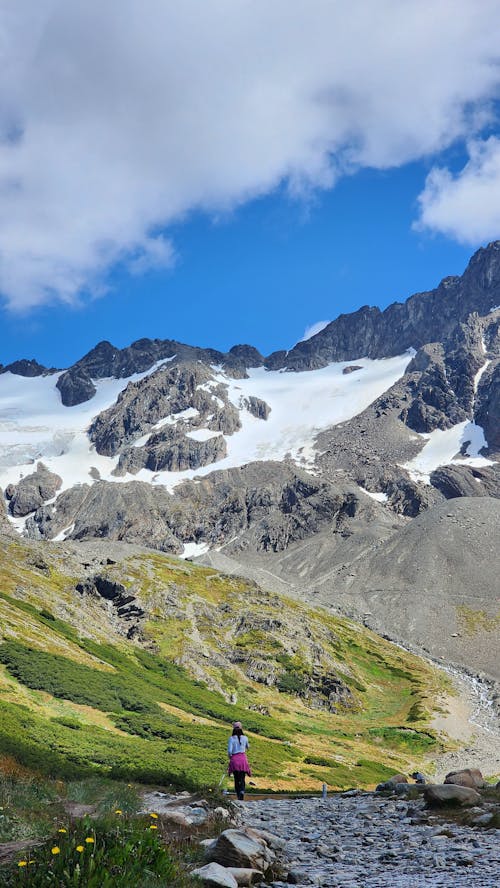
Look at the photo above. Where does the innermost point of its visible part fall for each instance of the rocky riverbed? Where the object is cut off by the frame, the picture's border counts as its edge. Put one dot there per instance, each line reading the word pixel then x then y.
pixel 349 841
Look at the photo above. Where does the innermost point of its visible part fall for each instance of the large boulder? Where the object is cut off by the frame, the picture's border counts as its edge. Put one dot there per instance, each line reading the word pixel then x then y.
pixel 392 782
pixel 450 794
pixel 213 874
pixel 470 777
pixel 234 847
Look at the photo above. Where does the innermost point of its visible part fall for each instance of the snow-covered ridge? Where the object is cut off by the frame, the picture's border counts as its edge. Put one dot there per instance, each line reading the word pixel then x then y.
pixel 34 424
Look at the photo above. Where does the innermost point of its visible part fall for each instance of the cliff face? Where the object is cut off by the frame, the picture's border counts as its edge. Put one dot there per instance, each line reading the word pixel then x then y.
pixel 431 316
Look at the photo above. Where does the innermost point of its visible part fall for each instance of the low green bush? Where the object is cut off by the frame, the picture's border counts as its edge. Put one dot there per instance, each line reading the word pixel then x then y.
pixel 111 852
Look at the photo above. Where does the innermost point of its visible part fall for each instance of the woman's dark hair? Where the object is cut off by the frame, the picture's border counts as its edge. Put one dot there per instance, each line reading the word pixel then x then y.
pixel 237 732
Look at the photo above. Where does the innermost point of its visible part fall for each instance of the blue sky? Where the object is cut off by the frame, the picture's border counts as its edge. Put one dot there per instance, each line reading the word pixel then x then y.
pixel 261 274
pixel 229 172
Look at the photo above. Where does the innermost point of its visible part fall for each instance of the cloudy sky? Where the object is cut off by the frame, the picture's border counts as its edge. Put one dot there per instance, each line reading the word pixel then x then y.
pixel 220 171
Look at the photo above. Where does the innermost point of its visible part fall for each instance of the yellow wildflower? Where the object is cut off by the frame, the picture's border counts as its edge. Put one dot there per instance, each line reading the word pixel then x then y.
pixel 154 815
pixel 80 848
pixel 23 863
pixel 118 811
pixel 55 850
pixel 62 830
pixel 153 826
pixel 90 840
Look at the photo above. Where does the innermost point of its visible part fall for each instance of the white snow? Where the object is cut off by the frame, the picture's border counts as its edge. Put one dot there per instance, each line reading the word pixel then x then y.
pixel 477 377
pixel 378 497
pixel 313 330
pixel 494 308
pixel 202 434
pixel 34 425
pixel 191 550
pixel 442 448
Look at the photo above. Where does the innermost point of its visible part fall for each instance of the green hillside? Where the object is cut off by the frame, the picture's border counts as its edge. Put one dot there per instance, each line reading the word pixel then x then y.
pixel 134 668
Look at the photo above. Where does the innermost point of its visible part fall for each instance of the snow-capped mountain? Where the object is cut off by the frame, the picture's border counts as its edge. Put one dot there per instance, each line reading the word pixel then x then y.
pixel 307 461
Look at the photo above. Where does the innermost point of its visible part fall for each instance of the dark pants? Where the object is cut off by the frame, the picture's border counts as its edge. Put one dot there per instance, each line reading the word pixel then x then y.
pixel 239 784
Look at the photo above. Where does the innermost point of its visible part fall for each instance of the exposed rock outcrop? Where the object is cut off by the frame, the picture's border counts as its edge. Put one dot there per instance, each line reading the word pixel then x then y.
pixel 172 451
pixel 168 392
pixel 487 412
pixel 425 317
pixel 25 367
pixel 32 491
pixel 75 386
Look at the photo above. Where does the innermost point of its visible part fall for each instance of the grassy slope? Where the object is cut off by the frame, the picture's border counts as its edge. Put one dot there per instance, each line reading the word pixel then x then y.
pixel 77 698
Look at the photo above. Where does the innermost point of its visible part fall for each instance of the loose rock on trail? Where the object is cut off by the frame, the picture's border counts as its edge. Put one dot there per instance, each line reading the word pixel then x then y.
pixel 375 842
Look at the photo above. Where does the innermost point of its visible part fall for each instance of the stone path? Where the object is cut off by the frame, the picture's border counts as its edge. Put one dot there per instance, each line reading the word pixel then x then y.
pixel 365 841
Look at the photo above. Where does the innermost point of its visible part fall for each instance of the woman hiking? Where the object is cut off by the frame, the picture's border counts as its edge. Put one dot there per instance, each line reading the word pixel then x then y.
pixel 238 762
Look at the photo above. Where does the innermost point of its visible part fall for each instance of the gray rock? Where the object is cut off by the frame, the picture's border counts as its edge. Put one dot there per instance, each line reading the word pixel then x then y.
pixel 27 368
pixel 487 411
pixel 470 777
pixel 32 491
pixel 236 848
pixel 245 876
pixel 170 450
pixel 212 874
pixel 75 386
pixel 450 794
pixel 425 317
pixel 256 406
pixel 167 392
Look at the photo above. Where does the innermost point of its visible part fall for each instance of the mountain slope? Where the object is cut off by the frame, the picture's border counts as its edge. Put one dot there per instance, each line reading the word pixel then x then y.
pixel 132 664
pixel 315 469
pixel 433 584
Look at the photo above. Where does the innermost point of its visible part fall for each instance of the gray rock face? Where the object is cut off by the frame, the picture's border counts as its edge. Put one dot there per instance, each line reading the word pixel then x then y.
pixel 128 611
pixel 170 450
pixel 25 367
pixel 105 360
pixel 420 585
pixel 487 412
pixel 75 386
pixel 256 406
pixel 453 481
pixel 32 491
pixel 167 392
pixel 48 522
pixel 425 317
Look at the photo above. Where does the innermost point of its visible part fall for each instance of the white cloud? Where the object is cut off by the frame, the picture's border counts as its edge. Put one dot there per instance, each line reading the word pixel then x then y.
pixel 118 118
pixel 465 206
pixel 313 329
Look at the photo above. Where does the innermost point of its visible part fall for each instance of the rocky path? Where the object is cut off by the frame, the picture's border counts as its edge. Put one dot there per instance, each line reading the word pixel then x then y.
pixel 365 841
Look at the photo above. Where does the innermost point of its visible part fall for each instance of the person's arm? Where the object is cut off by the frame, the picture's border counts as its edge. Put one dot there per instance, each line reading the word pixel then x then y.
pixel 229 747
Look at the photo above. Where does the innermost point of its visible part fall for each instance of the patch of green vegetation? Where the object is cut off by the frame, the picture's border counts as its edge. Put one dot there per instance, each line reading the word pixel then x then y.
pixel 363 772
pixel 72 681
pixel 473 621
pixel 108 852
pixel 127 710
pixel 318 760
pixel 417 742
